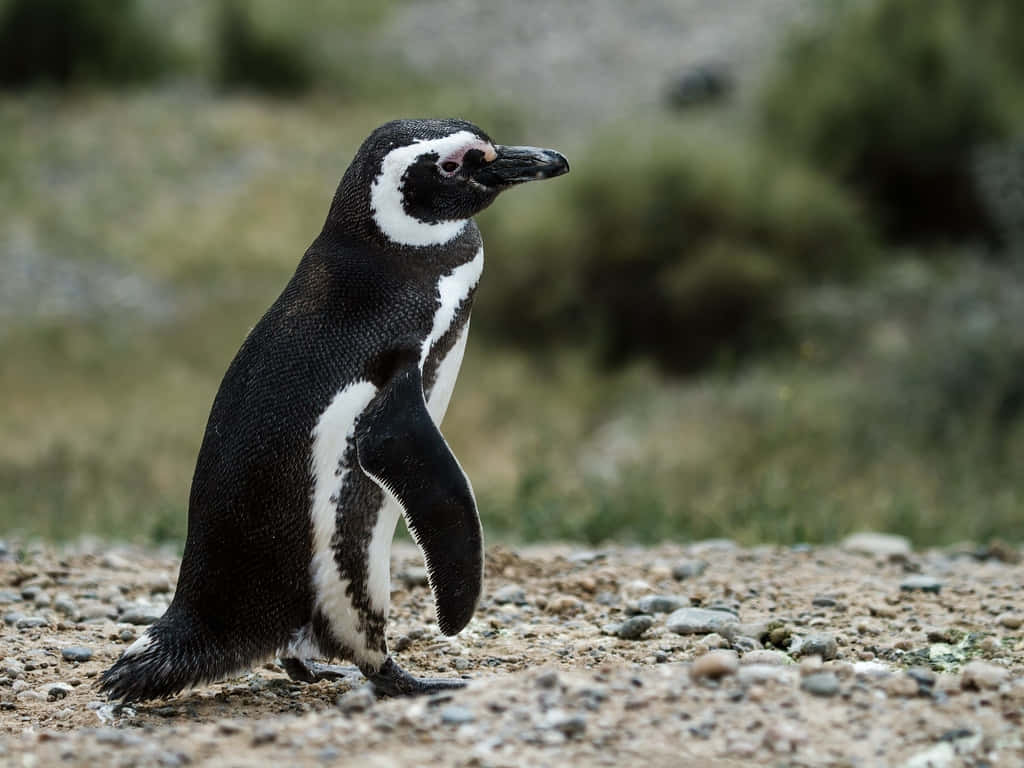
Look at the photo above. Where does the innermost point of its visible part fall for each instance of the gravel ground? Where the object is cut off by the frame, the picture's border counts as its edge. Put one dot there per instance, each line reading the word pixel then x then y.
pixel 859 655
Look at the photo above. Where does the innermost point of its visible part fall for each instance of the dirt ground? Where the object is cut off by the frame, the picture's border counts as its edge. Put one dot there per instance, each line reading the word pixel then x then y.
pixel 864 654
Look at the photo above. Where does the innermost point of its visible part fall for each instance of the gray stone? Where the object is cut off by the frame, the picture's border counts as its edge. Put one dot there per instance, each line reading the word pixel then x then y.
pixel 699 621
pixel 29 593
pixel 688 569
pixel 141 612
pixel 12 668
pixel 30 622
pixel 659 604
pixel 510 594
pixel 65 605
pixel 547 679
pixel 58 691
pixel 824 601
pixel 7 597
pixel 569 725
pixel 921 583
pixel 13 617
pixel 878 544
pixel 634 627
pixel 818 644
pixel 356 700
pixel 76 653
pixel 821 684
pixel 455 715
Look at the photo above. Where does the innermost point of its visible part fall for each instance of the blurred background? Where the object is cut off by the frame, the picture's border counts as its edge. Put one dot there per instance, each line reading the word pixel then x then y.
pixel 780 297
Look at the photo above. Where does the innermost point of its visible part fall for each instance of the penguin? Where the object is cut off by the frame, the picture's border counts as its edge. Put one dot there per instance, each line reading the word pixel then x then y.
pixel 325 430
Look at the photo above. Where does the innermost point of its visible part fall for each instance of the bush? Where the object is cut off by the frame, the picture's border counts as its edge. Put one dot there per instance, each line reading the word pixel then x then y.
pixel 678 247
pixel 895 97
pixel 247 57
pixel 68 41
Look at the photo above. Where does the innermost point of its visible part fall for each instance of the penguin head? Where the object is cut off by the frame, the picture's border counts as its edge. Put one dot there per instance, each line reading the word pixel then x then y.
pixel 427 178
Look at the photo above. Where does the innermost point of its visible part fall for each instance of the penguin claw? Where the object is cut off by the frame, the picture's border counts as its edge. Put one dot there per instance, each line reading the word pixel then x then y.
pixel 307 671
pixel 392 680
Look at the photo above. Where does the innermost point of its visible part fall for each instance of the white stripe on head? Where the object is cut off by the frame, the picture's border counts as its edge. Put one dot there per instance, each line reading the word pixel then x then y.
pixel 386 192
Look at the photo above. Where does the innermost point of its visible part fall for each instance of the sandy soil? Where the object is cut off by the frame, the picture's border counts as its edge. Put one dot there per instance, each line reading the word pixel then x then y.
pixel 860 655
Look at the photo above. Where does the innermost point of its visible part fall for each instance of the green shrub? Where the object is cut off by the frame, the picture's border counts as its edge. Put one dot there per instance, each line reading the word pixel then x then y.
pixel 678 247
pixel 68 41
pixel 894 97
pixel 248 57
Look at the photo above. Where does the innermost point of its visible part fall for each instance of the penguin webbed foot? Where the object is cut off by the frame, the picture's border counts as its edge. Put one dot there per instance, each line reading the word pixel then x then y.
pixel 308 671
pixel 392 680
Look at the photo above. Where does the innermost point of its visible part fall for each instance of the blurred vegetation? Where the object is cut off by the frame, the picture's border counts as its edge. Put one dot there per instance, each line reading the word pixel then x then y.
pixel 896 97
pixel 62 42
pixel 730 324
pixel 680 246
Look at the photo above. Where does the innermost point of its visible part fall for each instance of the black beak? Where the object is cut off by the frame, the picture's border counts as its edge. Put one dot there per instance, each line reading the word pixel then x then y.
pixel 515 165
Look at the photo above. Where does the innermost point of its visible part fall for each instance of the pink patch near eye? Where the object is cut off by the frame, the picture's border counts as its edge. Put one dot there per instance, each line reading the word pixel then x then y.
pixel 451 163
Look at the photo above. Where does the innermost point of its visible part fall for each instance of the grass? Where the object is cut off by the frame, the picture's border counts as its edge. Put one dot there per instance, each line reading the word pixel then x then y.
pixel 211 201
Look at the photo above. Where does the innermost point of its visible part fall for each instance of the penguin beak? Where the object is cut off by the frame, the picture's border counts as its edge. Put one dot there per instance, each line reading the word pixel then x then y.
pixel 514 165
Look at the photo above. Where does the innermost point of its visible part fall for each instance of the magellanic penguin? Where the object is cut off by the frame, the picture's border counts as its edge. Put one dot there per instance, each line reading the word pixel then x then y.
pixel 325 430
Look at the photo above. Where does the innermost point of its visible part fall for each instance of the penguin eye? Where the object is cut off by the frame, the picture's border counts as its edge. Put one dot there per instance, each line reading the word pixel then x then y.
pixel 449 166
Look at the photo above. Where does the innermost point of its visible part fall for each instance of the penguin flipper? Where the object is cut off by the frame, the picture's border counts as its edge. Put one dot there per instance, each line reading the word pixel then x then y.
pixel 401 449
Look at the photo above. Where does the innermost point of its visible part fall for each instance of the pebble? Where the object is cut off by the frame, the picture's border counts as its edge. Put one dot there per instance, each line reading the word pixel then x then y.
pixel 13 617
pixel 30 622
pixel 824 601
pixel 878 544
pixel 12 668
pixel 775 658
pixel 455 715
pixel 659 604
pixel 510 594
pixel 982 675
pixel 57 691
pixel 821 684
pixel 564 605
pixel 698 621
pixel 1010 620
pixel 715 665
pixel 570 725
pixel 688 569
pixel 76 653
pixel 921 583
pixel 634 627
pixel 141 612
pixel 357 700
pixel 6 597
pixel 820 644
pixel 65 605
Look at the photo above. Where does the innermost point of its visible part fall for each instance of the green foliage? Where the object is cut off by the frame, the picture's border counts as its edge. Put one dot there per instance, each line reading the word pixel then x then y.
pixel 895 97
pixel 72 41
pixel 677 246
pixel 248 57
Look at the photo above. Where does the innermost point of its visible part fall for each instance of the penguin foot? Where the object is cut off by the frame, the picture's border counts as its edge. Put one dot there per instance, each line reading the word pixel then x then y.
pixel 392 680
pixel 307 671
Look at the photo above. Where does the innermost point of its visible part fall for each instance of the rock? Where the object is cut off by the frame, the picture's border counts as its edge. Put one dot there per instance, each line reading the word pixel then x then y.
pixel 775 658
pixel 784 737
pixel 7 597
pixel 942 755
pixel 56 691
pixel 564 605
pixel 547 679
pixel 821 684
pixel 713 641
pixel 356 700
pixel 141 612
pixel 29 695
pixel 30 622
pixel 714 665
pixel 510 594
pixel 981 675
pixel 115 562
pixel 12 668
pixel 11 618
pixel 634 627
pixel 688 569
pixel 819 644
pixel 764 673
pixel 29 593
pixel 1010 620
pixel 745 644
pixel 921 583
pixel 414 577
pixel 659 604
pixel 698 621
pixel 824 601
pixel 923 676
pixel 76 653
pixel 569 725
pixel 902 685
pixel 877 544
pixel 454 715
pixel 63 604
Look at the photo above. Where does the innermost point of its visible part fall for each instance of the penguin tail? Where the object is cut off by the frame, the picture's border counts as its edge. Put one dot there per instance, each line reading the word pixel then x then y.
pixel 167 658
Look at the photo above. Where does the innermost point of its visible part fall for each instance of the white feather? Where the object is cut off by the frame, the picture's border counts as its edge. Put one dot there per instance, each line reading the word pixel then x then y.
pixel 386 193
